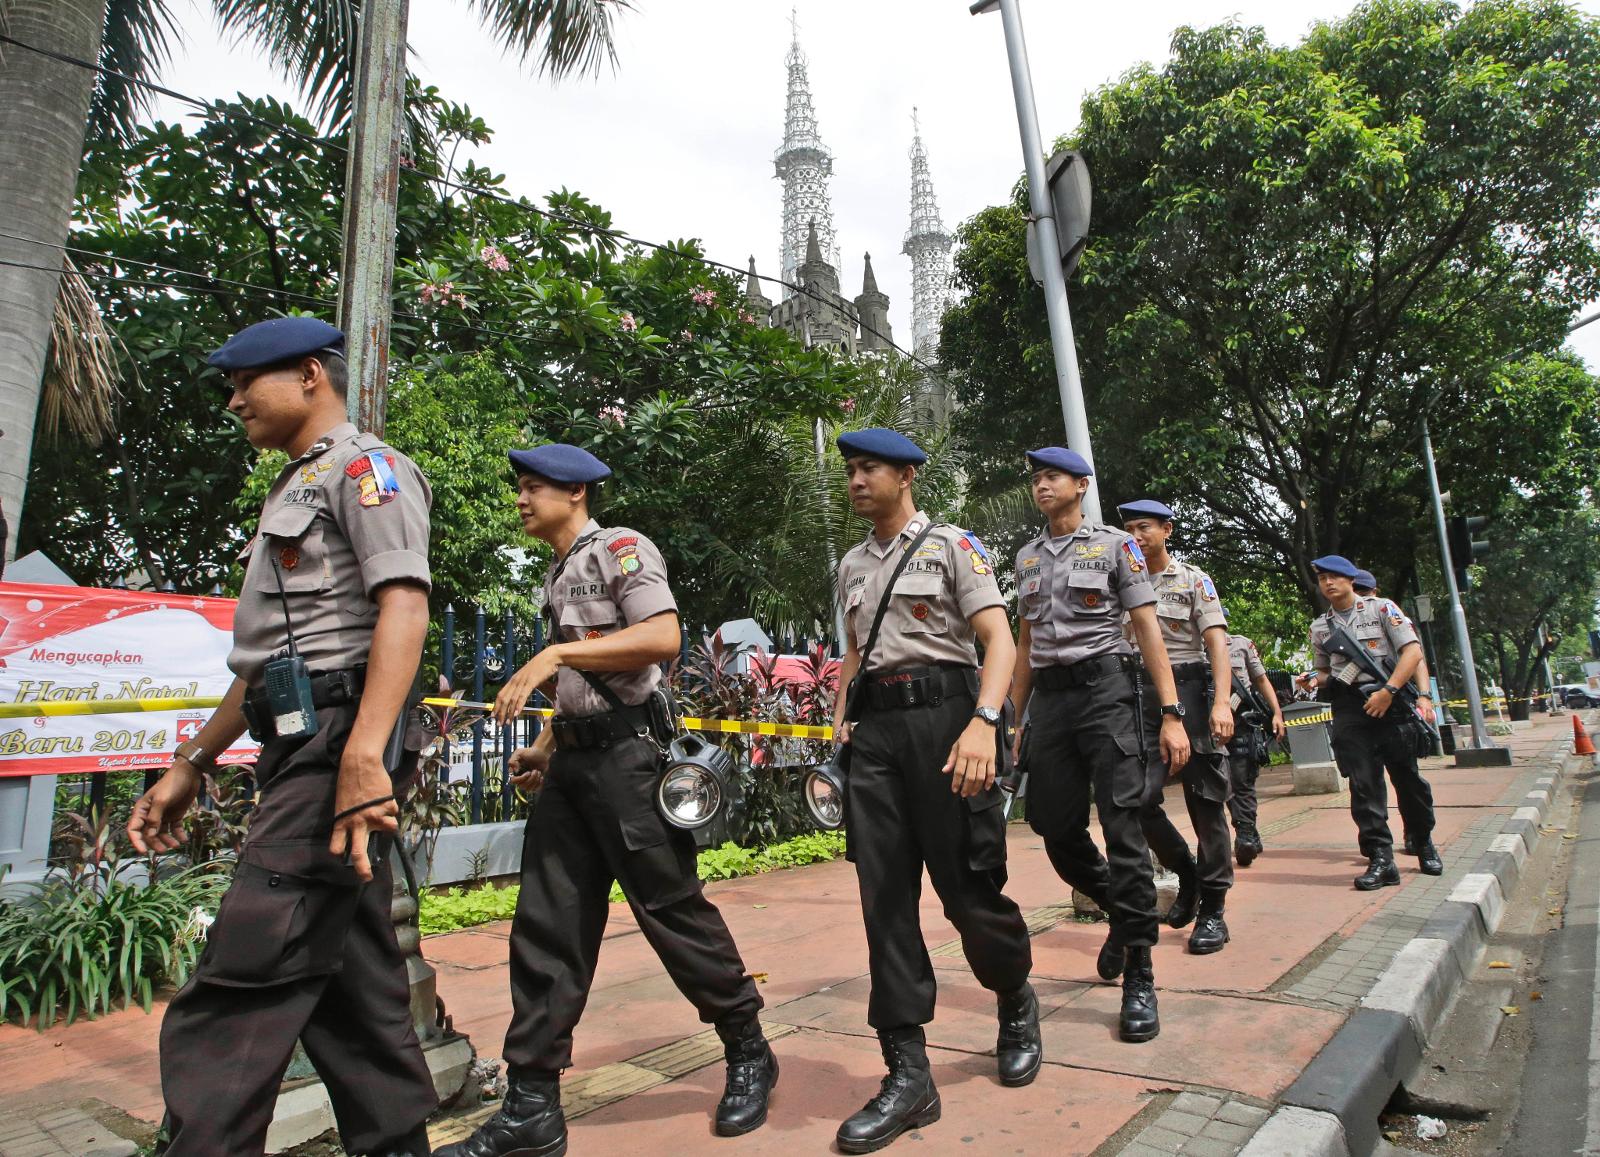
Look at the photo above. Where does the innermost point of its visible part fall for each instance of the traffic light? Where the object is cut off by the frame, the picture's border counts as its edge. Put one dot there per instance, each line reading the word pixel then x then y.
pixel 1464 549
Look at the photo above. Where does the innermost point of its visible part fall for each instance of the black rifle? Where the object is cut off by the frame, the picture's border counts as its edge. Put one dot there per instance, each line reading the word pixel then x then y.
pixel 1339 642
pixel 1014 779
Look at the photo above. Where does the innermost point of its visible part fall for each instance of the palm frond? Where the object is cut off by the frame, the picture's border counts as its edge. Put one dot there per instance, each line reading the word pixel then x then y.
pixel 136 43
pixel 80 374
pixel 567 36
pixel 313 42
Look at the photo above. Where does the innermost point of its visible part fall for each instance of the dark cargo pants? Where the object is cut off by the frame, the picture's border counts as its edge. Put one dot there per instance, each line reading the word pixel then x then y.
pixel 1085 740
pixel 595 822
pixel 901 817
pixel 1362 747
pixel 1205 791
pixel 300 949
pixel 1243 771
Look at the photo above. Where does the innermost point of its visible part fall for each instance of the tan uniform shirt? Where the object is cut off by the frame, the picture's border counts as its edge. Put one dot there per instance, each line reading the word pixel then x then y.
pixel 346 517
pixel 1246 660
pixel 1074 590
pixel 1187 606
pixel 1375 624
pixel 609 580
pixel 945 583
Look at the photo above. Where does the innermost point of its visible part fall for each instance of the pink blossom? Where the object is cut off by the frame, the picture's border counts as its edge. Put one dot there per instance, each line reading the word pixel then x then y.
pixel 442 293
pixel 686 335
pixel 747 317
pixel 494 259
pixel 628 323
pixel 615 414
pixel 848 405
pixel 704 296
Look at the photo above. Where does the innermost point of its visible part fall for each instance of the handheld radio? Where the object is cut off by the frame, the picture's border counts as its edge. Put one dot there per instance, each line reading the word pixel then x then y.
pixel 288 683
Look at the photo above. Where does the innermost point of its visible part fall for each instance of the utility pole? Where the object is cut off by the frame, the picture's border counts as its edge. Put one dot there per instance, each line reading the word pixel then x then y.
pixel 1458 614
pixel 371 194
pixel 1043 214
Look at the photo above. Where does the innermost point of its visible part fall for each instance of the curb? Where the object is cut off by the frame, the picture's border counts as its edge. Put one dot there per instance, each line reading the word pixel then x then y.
pixel 1332 1109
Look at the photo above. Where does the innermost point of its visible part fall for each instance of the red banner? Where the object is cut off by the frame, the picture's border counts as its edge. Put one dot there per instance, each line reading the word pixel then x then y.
pixel 61 645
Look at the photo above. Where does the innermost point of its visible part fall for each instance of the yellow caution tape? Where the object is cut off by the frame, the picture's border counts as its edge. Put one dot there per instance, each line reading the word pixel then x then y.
pixel 692 722
pixel 1304 720
pixel 104 706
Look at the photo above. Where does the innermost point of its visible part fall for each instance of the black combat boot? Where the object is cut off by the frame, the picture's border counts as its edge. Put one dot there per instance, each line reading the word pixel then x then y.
pixel 413 1144
pixel 752 1075
pixel 1109 963
pixel 1210 930
pixel 1246 844
pixel 529 1124
pixel 906 1099
pixel 1183 909
pixel 1409 846
pixel 1428 859
pixel 1139 1021
pixel 1380 873
pixel 1019 1050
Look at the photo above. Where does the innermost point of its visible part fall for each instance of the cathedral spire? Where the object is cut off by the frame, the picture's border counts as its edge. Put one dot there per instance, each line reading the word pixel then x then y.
pixel 804 165
pixel 869 283
pixel 813 246
pixel 927 243
pixel 759 304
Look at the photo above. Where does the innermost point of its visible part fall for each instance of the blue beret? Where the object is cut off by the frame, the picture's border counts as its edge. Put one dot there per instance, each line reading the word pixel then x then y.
pixel 1060 458
pixel 1365 580
pixel 885 445
pixel 1145 508
pixel 559 463
pixel 1336 564
pixel 277 340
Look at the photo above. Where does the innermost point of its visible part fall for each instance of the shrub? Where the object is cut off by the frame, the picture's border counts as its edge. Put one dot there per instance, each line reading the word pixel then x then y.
pixel 80 944
pixel 463 908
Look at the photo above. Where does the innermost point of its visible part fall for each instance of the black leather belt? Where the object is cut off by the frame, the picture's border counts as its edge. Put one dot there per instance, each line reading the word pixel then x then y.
pixel 598 732
pixel 1191 672
pixel 917 686
pixel 1081 673
pixel 328 689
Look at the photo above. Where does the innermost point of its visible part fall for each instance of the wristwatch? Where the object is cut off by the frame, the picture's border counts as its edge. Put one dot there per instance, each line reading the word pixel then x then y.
pixel 1173 709
pixel 990 715
pixel 1391 690
pixel 193 754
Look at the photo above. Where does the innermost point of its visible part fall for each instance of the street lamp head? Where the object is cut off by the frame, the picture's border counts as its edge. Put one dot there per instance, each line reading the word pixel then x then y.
pixel 982 6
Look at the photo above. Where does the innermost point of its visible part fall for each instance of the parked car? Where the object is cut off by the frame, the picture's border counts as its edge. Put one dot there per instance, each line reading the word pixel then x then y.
pixel 1577 695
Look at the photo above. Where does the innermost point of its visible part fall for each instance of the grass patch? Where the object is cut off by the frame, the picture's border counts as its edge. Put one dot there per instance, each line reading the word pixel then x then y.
pixel 466 907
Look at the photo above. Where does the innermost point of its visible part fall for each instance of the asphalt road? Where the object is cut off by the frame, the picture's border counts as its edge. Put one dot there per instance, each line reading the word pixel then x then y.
pixel 1560 1107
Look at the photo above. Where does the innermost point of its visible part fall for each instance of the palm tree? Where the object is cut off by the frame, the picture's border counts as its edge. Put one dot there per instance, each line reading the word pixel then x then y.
pixel 48 106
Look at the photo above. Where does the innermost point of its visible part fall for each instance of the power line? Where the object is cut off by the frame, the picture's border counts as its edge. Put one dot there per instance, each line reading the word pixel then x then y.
pixel 523 205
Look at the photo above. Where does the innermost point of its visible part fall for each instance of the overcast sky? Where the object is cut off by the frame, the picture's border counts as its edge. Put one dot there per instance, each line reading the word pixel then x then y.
pixel 678 141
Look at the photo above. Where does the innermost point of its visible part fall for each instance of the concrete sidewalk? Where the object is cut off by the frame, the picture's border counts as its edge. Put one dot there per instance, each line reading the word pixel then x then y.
pixel 1239 1028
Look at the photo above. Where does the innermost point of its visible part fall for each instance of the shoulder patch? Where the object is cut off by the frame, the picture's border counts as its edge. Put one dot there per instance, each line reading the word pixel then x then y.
pixel 618 545
pixel 970 542
pixel 374 470
pixel 1135 556
pixel 1208 589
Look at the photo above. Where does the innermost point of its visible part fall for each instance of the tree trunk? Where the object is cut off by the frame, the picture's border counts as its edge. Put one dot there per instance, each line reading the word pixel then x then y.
pixel 44 109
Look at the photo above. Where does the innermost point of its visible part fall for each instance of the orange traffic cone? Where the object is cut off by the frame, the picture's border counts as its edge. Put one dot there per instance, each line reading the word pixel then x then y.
pixel 1581 743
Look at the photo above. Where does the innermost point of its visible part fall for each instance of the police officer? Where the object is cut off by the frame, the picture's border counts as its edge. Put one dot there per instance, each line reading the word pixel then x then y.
pixel 613 622
pixel 1368 730
pixel 921 790
pixel 1196 637
pixel 1077 679
pixel 1243 767
pixel 1412 794
pixel 335 604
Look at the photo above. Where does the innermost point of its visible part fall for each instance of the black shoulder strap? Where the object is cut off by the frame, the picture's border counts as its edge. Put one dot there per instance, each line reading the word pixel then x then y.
pixel 883 601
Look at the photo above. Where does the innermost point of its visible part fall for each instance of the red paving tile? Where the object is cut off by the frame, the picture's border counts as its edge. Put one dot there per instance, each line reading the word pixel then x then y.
pixel 826 1077
pixel 803 930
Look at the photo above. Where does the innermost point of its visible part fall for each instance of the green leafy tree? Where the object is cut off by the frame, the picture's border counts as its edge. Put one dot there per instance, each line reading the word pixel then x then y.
pixel 48 104
pixel 1299 250
pixel 1538 586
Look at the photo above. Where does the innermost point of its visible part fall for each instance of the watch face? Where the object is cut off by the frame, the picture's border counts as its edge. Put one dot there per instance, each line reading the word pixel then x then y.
pixel 988 714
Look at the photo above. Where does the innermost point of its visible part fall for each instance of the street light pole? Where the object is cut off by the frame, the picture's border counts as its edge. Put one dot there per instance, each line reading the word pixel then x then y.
pixel 1043 214
pixel 1458 614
